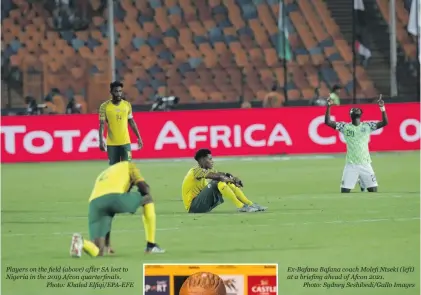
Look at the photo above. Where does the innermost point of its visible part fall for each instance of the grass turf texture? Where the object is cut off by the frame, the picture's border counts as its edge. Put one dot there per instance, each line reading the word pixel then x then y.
pixel 308 222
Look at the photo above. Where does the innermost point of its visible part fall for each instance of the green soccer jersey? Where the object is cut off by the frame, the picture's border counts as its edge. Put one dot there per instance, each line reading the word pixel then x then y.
pixel 357 138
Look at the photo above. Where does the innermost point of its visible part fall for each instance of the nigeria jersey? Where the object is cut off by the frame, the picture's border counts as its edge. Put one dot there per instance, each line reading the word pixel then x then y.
pixel 357 138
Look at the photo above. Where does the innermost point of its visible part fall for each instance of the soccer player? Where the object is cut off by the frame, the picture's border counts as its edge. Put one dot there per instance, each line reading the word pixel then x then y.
pixel 357 135
pixel 117 112
pixel 110 196
pixel 204 188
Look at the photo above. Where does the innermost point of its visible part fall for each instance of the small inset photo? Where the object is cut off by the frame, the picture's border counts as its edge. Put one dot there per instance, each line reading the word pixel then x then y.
pixel 210 279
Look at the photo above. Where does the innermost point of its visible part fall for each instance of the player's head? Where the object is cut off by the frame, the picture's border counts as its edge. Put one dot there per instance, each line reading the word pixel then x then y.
pixel 204 158
pixel 116 90
pixel 336 89
pixel 356 113
pixel 274 87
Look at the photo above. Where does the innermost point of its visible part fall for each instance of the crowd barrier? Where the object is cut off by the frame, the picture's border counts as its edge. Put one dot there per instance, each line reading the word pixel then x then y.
pixel 233 132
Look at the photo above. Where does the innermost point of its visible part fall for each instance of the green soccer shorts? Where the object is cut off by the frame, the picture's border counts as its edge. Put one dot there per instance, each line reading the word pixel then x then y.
pixel 119 153
pixel 102 211
pixel 207 200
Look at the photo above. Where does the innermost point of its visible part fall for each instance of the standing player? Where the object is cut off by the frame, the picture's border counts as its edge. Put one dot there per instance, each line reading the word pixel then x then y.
pixel 117 112
pixel 111 195
pixel 357 135
pixel 201 196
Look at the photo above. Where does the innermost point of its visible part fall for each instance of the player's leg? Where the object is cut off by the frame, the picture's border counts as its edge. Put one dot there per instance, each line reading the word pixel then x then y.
pixel 100 219
pixel 99 234
pixel 228 193
pixel 113 154
pixel 79 244
pixel 349 178
pixel 368 178
pixel 207 200
pixel 361 185
pixel 242 197
pixel 108 248
pixel 126 152
pixel 130 202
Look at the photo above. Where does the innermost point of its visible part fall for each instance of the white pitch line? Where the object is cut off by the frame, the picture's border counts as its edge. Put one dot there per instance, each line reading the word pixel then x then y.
pixel 243 158
pixel 356 196
pixel 295 197
pixel 314 212
pixel 399 219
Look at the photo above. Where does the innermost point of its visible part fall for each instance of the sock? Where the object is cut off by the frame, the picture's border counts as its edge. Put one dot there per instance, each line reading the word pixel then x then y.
pixel 149 221
pixel 240 195
pixel 90 248
pixel 227 193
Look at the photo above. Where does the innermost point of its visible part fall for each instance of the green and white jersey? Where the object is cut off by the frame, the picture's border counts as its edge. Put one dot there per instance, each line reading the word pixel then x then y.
pixel 357 138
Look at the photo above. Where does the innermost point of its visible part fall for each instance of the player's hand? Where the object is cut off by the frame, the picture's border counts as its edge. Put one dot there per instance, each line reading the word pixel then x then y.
pixel 226 179
pixel 380 101
pixel 102 146
pixel 238 182
pixel 235 180
pixel 139 143
pixel 329 102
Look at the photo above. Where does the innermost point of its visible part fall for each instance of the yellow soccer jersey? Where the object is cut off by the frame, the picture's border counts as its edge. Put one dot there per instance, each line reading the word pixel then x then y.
pixel 117 117
pixel 193 183
pixel 117 178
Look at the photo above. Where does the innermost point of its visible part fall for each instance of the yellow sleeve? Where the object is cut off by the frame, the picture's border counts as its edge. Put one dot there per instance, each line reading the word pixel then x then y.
pixel 129 112
pixel 135 175
pixel 199 173
pixel 102 113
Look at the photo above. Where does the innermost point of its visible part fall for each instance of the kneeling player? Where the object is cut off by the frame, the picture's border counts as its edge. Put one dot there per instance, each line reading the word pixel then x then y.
pixel 111 195
pixel 201 196
pixel 358 160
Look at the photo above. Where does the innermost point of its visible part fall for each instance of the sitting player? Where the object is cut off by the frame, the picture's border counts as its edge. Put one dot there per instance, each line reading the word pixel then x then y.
pixel 201 196
pixel 357 135
pixel 111 195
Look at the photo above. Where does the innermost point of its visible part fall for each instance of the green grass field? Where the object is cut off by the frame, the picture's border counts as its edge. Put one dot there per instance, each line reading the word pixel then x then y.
pixel 308 222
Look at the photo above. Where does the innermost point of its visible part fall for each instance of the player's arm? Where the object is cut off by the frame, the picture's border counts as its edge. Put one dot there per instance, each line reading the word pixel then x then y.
pixel 384 120
pixel 237 181
pixel 137 180
pixel 218 176
pixel 200 173
pixel 328 121
pixel 133 125
pixel 102 120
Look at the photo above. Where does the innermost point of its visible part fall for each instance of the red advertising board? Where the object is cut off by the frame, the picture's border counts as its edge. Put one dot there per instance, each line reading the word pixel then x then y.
pixel 239 132
pixel 262 285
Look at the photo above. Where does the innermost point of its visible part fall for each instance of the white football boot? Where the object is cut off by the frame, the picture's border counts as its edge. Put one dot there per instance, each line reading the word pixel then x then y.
pixel 76 246
pixel 154 250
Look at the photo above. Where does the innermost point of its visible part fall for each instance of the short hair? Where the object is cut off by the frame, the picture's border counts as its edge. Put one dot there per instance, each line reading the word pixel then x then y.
pixel 336 87
pixel 115 84
pixel 201 154
pixel 274 87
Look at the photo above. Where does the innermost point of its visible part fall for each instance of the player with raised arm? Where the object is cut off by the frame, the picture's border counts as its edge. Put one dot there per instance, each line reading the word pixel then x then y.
pixel 110 196
pixel 204 188
pixel 357 136
pixel 116 113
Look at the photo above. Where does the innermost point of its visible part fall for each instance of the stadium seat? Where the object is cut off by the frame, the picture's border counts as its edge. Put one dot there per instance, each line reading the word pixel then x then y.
pixel 408 44
pixel 214 52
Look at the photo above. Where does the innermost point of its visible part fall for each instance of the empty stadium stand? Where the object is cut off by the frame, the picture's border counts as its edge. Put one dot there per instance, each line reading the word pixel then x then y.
pixel 407 64
pixel 201 51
